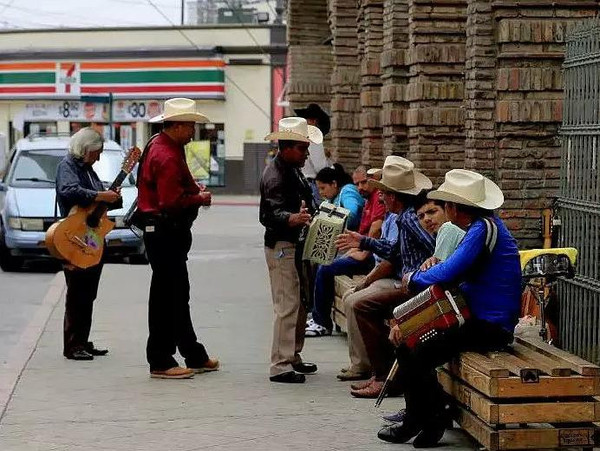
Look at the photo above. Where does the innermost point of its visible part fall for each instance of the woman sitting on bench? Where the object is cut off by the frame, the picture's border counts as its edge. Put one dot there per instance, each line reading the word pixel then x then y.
pixel 485 267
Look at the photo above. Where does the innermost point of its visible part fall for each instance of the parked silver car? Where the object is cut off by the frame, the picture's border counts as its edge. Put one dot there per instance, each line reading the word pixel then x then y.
pixel 28 200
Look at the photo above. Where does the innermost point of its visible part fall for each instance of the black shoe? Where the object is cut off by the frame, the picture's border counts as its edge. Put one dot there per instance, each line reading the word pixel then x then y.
pixel 92 350
pixel 79 354
pixel 305 368
pixel 431 434
pixel 289 377
pixel 398 433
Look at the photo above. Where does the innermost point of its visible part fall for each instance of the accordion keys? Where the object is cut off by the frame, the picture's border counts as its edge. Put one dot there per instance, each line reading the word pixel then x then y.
pixel 326 225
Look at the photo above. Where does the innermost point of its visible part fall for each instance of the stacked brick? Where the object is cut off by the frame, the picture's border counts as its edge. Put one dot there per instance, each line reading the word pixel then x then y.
pixel 394 76
pixel 370 46
pixel 346 135
pixel 310 61
pixel 435 91
pixel 447 83
pixel 480 89
pixel 530 52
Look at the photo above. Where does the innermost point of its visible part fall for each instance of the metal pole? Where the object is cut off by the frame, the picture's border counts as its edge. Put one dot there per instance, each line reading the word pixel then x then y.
pixel 182 11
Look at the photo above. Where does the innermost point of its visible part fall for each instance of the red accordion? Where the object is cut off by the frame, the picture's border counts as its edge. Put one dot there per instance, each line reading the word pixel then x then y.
pixel 429 313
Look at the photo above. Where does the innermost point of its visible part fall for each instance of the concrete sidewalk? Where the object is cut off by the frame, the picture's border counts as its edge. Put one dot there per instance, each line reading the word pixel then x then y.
pixel 112 404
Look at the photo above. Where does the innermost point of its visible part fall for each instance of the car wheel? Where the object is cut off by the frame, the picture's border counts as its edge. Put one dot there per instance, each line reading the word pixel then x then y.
pixel 8 263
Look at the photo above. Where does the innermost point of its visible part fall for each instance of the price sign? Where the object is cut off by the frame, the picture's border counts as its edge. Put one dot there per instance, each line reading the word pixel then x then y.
pixel 135 110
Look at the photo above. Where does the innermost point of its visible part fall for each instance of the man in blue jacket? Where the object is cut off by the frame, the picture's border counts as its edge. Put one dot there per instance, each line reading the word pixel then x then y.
pixel 485 268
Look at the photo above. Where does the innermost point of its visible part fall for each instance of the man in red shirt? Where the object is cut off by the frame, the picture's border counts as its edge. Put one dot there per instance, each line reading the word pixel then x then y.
pixel 353 262
pixel 169 199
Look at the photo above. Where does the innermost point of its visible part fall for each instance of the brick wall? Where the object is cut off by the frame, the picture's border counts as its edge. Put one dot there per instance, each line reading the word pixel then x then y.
pixel 455 83
pixel 346 134
pixel 435 90
pixel 310 61
pixel 370 28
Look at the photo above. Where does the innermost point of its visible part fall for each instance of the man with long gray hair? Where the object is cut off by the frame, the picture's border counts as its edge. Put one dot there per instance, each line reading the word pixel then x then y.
pixel 78 185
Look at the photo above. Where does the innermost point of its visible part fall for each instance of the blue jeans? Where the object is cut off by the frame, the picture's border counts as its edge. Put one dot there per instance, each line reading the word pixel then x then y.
pixel 325 289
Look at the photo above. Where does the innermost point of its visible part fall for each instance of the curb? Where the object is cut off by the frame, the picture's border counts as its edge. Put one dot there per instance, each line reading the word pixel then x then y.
pixel 28 342
pixel 235 203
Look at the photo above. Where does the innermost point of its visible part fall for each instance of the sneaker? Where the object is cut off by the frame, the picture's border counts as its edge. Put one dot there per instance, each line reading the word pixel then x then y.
pixel 208 366
pixel 176 372
pixel 397 417
pixel 315 330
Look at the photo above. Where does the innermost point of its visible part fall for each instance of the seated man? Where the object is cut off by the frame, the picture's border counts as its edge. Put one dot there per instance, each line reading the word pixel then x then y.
pixel 352 263
pixel 488 275
pixel 372 311
pixel 400 185
pixel 360 367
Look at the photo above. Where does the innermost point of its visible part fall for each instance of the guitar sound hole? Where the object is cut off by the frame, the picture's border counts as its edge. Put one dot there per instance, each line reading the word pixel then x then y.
pixel 92 221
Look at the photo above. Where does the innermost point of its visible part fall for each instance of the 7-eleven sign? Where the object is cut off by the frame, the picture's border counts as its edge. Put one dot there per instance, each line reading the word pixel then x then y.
pixel 68 80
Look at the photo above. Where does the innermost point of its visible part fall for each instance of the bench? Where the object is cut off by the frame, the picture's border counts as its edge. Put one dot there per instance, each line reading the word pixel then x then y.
pixel 533 396
pixel 342 285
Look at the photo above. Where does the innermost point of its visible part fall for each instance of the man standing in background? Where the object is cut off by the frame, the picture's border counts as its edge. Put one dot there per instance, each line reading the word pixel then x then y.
pixel 317 158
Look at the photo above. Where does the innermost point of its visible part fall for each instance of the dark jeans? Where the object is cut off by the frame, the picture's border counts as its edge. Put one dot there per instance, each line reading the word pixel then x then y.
pixel 325 289
pixel 169 321
pixel 371 315
pixel 82 289
pixel 416 367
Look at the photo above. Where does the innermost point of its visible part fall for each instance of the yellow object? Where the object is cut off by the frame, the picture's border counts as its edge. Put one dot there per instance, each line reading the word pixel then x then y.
pixel 570 252
pixel 197 155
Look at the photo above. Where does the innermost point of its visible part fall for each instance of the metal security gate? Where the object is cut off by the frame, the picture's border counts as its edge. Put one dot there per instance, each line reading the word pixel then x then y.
pixel 579 201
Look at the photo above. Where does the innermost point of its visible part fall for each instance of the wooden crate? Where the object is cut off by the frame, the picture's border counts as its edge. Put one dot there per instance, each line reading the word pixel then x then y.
pixel 338 313
pixel 533 397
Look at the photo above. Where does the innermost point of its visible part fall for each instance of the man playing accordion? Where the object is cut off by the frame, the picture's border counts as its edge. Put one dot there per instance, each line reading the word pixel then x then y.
pixel 485 268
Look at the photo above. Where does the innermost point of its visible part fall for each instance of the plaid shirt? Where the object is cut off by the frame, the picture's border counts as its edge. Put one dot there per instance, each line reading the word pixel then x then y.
pixel 413 247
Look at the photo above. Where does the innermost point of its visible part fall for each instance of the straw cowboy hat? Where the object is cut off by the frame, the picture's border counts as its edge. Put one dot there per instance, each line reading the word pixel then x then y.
pixel 180 110
pixel 296 129
pixel 469 188
pixel 374 172
pixel 399 175
pixel 314 111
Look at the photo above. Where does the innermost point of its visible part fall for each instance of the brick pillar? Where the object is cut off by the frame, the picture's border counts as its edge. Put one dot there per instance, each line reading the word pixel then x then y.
pixel 345 132
pixel 394 75
pixel 480 89
pixel 435 117
pixel 530 53
pixel 310 61
pixel 370 46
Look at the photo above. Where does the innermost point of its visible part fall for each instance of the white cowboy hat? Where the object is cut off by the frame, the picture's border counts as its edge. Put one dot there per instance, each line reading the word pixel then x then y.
pixel 469 188
pixel 399 175
pixel 180 109
pixel 296 129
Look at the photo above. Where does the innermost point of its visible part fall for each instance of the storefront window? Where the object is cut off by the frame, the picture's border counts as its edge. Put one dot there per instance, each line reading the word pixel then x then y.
pixel 40 128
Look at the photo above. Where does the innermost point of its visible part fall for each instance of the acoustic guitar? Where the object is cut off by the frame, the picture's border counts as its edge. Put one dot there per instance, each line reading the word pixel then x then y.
pixel 79 238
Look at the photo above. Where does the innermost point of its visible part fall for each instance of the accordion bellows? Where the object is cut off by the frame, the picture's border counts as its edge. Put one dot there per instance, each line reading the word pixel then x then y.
pixel 430 313
pixel 324 228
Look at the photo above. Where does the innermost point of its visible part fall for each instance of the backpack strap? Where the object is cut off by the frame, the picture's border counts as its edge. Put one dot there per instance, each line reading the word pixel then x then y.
pixel 491 236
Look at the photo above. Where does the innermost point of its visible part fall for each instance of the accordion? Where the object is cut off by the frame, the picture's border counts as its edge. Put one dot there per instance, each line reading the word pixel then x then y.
pixel 326 225
pixel 430 313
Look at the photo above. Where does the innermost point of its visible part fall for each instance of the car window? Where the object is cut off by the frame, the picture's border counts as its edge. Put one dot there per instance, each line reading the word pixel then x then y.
pixel 109 166
pixel 35 167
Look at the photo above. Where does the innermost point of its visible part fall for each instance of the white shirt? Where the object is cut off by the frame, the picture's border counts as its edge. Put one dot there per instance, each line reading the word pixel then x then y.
pixel 316 161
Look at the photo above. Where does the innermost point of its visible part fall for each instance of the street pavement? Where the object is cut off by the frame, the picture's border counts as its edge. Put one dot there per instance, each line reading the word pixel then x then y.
pixel 112 404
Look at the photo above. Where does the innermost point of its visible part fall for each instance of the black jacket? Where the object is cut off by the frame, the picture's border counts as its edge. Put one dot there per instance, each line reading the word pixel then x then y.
pixel 282 190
